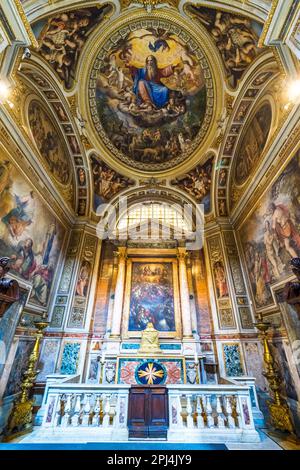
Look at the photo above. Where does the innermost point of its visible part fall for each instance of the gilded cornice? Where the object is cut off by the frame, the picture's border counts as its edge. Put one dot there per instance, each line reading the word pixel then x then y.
pixel 267 23
pixel 26 23
pixel 148 4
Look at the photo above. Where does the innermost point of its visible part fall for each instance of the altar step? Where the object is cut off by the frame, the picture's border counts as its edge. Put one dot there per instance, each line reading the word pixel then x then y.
pixel 115 446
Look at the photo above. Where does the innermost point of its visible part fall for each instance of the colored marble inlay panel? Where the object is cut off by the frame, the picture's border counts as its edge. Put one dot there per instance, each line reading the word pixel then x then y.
pixel 70 358
pixel 127 370
pixel 232 360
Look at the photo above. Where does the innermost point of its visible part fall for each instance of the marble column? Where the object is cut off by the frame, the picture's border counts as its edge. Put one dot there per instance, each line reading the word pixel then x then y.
pixel 184 294
pixel 192 297
pixel 119 294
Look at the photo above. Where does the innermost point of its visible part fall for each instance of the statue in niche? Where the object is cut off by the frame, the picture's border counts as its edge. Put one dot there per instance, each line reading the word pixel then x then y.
pixel 150 340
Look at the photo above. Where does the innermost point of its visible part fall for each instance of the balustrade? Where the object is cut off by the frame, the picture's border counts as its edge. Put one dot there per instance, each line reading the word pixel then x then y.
pixel 202 410
pixel 197 413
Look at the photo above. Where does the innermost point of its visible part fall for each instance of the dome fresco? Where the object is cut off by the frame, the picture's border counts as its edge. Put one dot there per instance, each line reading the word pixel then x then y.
pixel 151 95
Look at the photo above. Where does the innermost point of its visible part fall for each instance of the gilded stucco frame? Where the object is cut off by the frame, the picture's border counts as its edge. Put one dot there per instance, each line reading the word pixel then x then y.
pixel 126 307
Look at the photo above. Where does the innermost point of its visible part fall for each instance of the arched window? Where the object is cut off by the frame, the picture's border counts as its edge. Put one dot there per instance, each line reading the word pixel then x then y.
pixel 156 220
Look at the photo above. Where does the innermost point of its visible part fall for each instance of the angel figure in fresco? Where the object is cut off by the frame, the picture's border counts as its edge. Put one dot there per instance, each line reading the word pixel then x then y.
pixel 63 37
pixel 235 37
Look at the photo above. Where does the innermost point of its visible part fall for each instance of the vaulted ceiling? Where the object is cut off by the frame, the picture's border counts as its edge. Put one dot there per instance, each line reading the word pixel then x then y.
pixel 183 100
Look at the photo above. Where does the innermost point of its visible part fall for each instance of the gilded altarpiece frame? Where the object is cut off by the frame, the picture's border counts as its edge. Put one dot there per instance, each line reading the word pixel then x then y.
pixel 131 262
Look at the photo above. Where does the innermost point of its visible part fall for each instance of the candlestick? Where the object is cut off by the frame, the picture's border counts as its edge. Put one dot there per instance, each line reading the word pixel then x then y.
pixel 278 407
pixel 21 417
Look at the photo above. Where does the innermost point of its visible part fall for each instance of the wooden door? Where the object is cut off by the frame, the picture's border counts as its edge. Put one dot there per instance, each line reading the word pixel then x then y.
pixel 148 412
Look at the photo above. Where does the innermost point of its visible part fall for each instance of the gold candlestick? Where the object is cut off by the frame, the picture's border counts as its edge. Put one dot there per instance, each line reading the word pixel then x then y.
pixel 279 410
pixel 21 417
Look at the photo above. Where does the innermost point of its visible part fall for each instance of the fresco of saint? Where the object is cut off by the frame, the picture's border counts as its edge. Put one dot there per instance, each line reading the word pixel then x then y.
pixel 271 235
pixel 253 143
pixel 29 234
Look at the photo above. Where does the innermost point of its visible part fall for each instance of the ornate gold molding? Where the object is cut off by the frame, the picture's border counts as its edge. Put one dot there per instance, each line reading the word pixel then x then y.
pixel 26 23
pixel 148 4
pixel 267 23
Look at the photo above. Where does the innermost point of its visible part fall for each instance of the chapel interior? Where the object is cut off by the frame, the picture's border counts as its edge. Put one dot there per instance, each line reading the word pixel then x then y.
pixel 150 221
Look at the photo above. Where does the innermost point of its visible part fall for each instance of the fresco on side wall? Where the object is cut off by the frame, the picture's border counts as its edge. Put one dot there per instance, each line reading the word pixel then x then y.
pixel 29 234
pixel 62 38
pixel 271 235
pixel 252 143
pixel 19 366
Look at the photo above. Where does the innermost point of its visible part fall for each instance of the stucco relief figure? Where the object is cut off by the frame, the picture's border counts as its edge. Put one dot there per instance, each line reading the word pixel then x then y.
pixel 151 95
pixel 271 235
pixel 64 36
pixel 236 38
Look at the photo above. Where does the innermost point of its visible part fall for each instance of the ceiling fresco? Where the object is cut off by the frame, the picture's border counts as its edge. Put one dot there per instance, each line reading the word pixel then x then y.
pixel 197 183
pixel 235 36
pixel 107 182
pixel 252 143
pixel 140 95
pixel 49 143
pixel 62 37
pixel 151 94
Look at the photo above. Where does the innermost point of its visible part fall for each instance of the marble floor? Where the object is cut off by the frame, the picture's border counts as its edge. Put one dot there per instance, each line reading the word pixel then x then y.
pixel 267 442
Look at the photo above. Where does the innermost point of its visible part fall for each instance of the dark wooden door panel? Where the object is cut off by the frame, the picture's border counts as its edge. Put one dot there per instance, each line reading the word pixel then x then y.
pixel 148 412
pixel 138 412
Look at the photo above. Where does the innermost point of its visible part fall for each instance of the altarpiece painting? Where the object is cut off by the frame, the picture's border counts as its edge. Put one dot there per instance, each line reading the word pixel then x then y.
pixel 151 296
